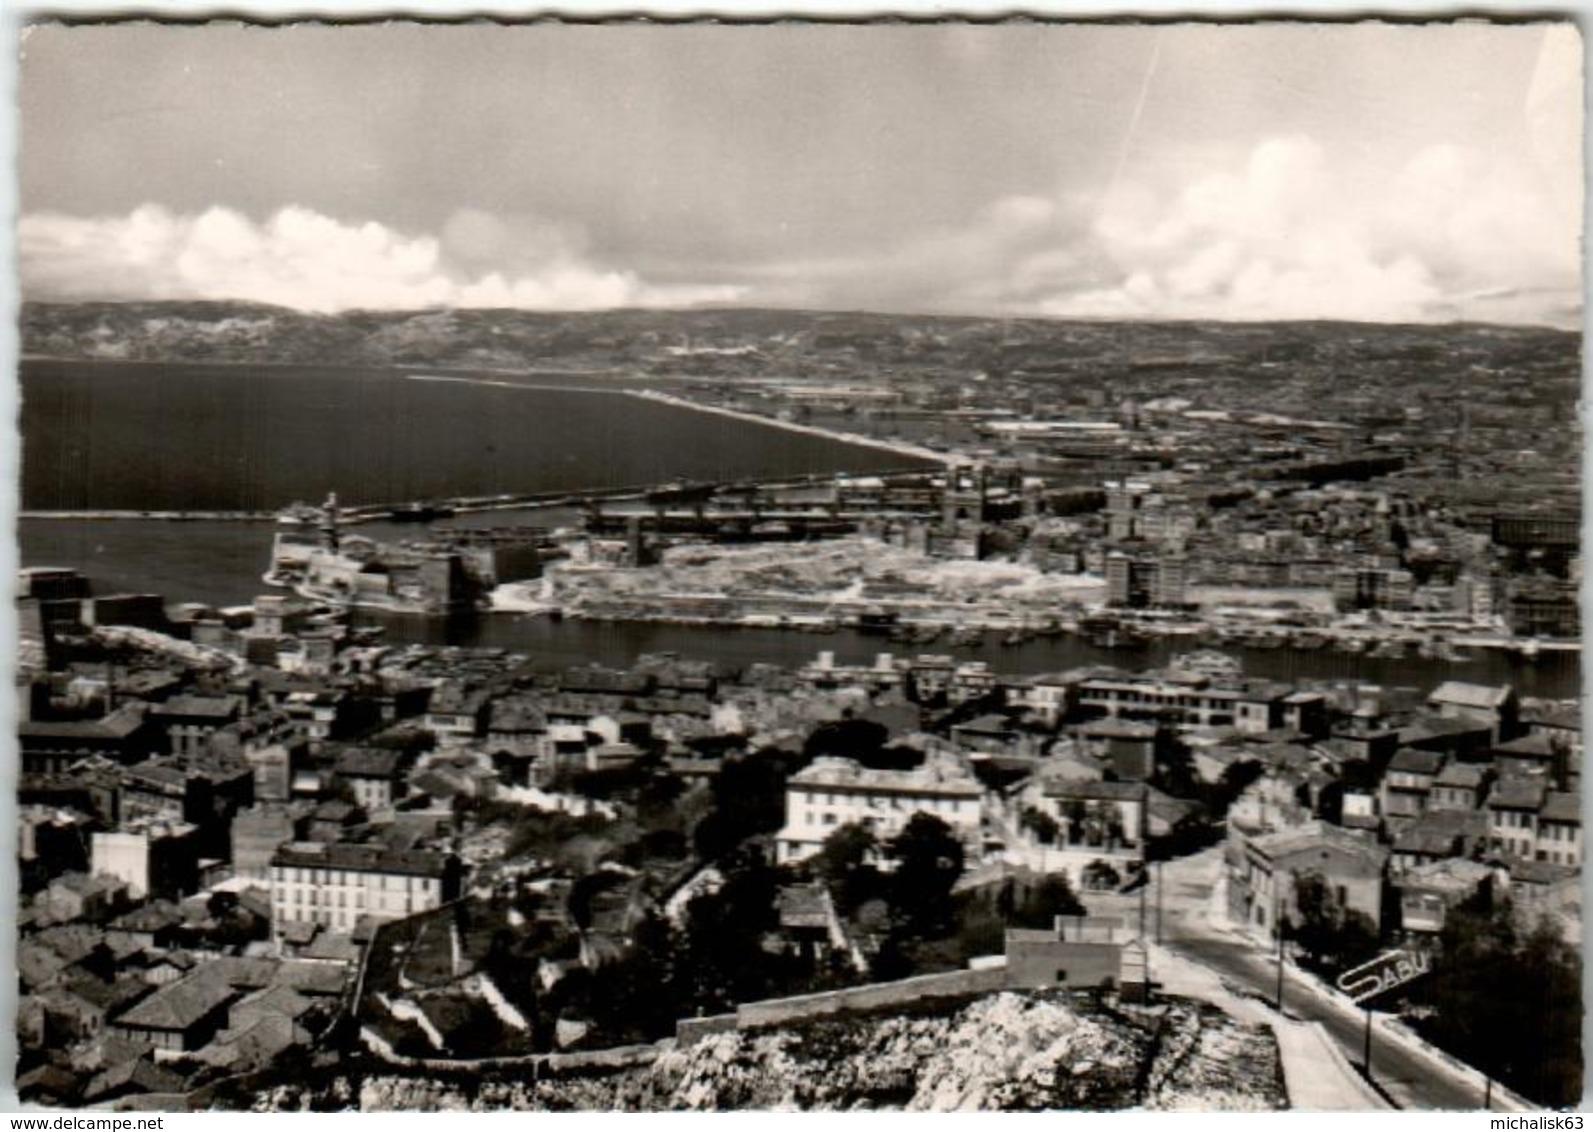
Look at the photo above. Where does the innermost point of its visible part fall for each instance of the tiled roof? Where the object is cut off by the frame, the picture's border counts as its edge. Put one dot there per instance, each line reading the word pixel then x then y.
pixel 1468 775
pixel 1426 842
pixel 1462 694
pixel 1561 807
pixel 1119 729
pixel 929 778
pixel 1556 717
pixel 361 858
pixel 1538 872
pixel 1096 791
pixel 108 996
pixel 142 1075
pixel 365 762
pixel 1517 794
pixel 1314 835
pixel 178 1006
pixel 278 1000
pixel 206 707
pixel 1530 746
pixel 1408 760
pixel 1452 875
pixel 153 917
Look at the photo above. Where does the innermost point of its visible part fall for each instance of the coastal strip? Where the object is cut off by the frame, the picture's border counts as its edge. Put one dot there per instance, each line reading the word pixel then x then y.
pixel 500 383
pixel 899 447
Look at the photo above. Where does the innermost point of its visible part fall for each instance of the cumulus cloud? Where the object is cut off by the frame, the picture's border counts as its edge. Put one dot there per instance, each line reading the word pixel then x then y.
pixel 1450 234
pixel 1290 231
pixel 299 258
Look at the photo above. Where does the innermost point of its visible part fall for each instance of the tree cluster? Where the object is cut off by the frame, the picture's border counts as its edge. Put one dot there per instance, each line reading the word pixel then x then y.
pixel 1508 1000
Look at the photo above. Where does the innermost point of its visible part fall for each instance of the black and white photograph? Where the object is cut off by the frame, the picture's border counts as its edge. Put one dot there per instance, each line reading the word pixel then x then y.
pixel 923 565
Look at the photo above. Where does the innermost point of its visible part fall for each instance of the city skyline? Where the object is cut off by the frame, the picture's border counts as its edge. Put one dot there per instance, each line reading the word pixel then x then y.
pixel 1374 172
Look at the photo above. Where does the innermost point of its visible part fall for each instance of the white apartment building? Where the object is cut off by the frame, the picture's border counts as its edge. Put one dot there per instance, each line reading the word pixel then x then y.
pixel 334 885
pixel 834 792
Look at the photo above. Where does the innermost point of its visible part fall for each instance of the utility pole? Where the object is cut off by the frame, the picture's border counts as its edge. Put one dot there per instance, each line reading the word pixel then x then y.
pixel 1277 926
pixel 1158 901
pixel 1366 1053
pixel 1146 884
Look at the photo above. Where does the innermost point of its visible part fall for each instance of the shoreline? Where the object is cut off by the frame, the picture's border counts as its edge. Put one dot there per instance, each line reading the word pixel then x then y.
pixel 896 447
pixel 928 625
pixel 529 500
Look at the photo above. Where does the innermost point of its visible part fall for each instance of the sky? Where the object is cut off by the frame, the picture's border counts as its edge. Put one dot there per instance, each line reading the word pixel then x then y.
pixel 1362 171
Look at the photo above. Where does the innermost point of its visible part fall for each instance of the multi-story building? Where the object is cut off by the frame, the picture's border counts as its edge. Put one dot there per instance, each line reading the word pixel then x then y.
pixel 832 792
pixel 1373 589
pixel 1124 501
pixel 153 856
pixel 883 675
pixel 1513 817
pixel 1459 787
pixel 258 832
pixel 1192 700
pixel 1161 581
pixel 1407 786
pixel 1544 609
pixel 334 885
pixel 375 777
pixel 191 720
pixel 1048 698
pixel 1264 873
pixel 1559 832
pixel 457 714
pixel 1495 707
pixel 1106 818
pixel 1119 579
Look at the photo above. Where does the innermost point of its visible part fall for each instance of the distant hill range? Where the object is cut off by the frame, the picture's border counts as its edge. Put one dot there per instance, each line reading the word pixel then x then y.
pixel 736 341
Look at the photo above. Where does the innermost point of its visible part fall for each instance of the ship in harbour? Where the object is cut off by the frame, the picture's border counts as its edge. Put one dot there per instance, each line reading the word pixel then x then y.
pixel 445 572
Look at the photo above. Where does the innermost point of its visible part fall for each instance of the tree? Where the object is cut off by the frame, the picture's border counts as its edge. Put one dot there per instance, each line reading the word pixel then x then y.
pixel 640 996
pixel 1333 936
pixel 1100 876
pixel 1043 903
pixel 929 859
pixel 1508 1002
pixel 585 891
pixel 725 962
pixel 846 738
pixel 1175 771
pixel 749 798
pixel 1236 779
pixel 844 864
pixel 1076 813
pixel 656 798
pixel 1044 827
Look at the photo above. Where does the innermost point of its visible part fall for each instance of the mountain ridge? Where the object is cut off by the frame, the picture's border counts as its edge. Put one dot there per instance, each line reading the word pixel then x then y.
pixel 729 340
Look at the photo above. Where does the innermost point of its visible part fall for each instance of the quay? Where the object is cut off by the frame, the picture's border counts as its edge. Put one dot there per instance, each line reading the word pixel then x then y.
pixel 512 501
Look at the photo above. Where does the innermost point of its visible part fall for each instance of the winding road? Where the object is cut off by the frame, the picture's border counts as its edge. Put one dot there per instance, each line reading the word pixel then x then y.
pixel 1191 926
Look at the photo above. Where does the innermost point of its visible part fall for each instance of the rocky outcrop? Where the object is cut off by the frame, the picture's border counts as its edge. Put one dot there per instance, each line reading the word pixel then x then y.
pixel 1007 1051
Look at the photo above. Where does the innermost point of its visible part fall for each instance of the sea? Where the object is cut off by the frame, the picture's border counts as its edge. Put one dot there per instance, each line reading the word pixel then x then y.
pixel 147 437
